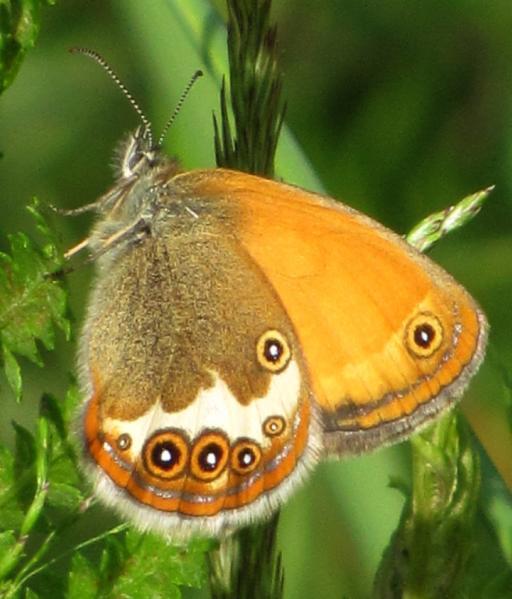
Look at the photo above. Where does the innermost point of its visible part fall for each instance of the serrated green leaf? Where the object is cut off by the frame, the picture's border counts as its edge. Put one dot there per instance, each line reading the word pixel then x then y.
pixel 62 475
pixel 184 565
pixel 70 404
pixel 25 448
pixel 81 579
pixel 51 241
pixel 64 496
pixel 12 372
pixel 112 559
pixel 32 302
pixel 63 463
pixel 64 481
pixel 42 453
pixel 11 513
pixel 62 411
pixel 141 565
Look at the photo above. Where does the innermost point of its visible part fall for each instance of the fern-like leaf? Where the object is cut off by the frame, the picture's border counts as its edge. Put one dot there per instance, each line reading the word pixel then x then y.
pixel 32 300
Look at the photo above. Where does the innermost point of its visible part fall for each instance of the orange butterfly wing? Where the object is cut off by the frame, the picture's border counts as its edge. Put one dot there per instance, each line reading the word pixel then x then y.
pixel 388 336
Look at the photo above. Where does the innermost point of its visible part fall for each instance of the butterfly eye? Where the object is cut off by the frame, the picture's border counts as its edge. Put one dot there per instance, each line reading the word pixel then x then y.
pixel 245 457
pixel 165 454
pixel 424 335
pixel 209 456
pixel 273 351
pixel 274 426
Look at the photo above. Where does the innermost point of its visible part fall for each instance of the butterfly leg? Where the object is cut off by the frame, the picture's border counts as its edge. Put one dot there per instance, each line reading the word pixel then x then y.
pixel 92 207
pixel 134 233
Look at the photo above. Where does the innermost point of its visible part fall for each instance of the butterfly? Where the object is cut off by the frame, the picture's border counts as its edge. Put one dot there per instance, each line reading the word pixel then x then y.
pixel 240 330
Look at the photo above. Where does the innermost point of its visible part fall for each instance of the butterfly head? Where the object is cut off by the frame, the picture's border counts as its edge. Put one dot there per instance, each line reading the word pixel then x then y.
pixel 138 153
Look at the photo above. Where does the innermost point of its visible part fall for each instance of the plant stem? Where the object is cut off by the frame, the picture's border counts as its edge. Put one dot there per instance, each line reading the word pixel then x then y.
pixel 428 553
pixel 247 565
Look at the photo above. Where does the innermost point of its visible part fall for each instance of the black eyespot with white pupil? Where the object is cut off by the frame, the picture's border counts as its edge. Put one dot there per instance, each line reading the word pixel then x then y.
pixel 273 351
pixel 210 453
pixel 424 335
pixel 165 455
pixel 245 457
pixel 209 457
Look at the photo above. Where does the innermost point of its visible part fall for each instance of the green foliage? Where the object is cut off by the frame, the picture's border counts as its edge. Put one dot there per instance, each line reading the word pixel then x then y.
pixel 136 566
pixel 433 553
pixel 20 21
pixel 32 301
pixel 39 487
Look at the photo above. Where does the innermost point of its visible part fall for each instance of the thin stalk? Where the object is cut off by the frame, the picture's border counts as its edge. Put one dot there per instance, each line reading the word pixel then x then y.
pixel 247 564
pixel 429 552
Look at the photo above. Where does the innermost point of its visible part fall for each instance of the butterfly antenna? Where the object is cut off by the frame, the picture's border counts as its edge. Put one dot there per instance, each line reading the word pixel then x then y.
pixel 112 74
pixel 183 96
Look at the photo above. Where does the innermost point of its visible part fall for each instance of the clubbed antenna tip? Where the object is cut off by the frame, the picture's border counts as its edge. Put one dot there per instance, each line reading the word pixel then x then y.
pixel 176 111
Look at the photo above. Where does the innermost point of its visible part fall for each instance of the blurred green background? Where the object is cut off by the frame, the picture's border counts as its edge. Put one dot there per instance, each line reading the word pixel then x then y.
pixel 400 108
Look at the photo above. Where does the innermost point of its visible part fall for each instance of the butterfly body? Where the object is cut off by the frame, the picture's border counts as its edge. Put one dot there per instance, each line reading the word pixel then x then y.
pixel 239 330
